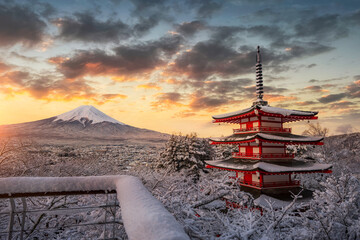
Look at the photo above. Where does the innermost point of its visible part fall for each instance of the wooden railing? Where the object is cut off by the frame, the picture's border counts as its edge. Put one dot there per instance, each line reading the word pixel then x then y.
pixel 263 155
pixel 139 209
pixel 263 129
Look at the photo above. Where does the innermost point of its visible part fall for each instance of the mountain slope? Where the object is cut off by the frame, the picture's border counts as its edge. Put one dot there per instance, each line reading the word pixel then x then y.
pixel 85 123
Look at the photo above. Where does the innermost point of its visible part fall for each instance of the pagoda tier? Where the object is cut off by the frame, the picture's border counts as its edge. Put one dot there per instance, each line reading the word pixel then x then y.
pixel 258 137
pixel 266 113
pixel 265 175
pixel 262 160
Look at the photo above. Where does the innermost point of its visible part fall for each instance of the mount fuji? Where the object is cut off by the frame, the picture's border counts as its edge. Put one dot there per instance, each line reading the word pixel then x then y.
pixel 82 124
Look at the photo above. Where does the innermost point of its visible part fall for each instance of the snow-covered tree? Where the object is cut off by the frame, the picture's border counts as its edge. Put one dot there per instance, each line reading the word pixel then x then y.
pixel 335 211
pixel 185 152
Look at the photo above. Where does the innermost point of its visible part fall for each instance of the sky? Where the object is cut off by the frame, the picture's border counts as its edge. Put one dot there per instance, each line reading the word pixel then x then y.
pixel 170 65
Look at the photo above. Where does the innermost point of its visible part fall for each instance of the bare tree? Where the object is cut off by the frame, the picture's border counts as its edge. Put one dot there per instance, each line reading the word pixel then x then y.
pixel 316 130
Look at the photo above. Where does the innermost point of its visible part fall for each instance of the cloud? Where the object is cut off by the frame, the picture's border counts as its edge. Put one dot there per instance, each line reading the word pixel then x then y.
pixel 20 24
pixel 125 60
pixel 205 9
pixel 211 58
pixel 23 57
pixel 316 88
pixel 311 65
pixel 305 103
pixel 341 105
pixel 190 28
pixel 84 27
pixel 227 86
pixel 206 103
pixel 325 27
pixel 150 86
pixel 145 24
pixel 167 100
pixel 4 67
pixel 52 87
pixel 184 114
pixel 345 129
pixel 354 89
pixel 279 98
pixel 332 98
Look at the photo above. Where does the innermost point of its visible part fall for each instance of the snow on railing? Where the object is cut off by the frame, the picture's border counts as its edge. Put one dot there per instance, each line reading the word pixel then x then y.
pixel 144 216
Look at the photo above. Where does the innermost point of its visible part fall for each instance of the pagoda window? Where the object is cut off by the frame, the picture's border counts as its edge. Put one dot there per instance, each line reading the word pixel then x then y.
pixel 244 120
pixel 255 124
pixel 256 150
pixel 256 177
pixel 243 126
pixel 275 178
pixel 272 119
pixel 254 119
pixel 242 149
pixel 271 124
pixel 273 150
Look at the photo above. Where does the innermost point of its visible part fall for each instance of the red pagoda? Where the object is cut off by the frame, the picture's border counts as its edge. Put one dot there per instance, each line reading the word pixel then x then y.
pixel 262 161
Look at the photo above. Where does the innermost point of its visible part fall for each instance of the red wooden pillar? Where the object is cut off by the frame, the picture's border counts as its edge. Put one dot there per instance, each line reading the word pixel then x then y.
pixel 260 149
pixel 261 180
pixel 290 178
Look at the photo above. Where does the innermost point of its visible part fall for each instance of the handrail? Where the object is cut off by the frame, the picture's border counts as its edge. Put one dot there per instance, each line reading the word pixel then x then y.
pixel 265 129
pixel 141 212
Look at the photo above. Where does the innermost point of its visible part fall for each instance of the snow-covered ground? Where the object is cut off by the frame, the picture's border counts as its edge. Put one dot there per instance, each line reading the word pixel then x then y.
pixel 196 201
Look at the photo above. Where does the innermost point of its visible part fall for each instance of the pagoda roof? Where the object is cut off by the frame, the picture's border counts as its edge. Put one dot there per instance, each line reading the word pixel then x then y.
pixel 265 110
pixel 235 164
pixel 268 137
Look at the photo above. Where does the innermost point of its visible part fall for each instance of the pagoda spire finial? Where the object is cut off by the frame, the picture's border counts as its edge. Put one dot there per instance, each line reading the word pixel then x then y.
pixel 259 80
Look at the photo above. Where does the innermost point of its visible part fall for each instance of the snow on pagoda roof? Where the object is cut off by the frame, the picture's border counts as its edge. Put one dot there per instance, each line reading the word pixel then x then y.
pixel 231 114
pixel 277 137
pixel 275 167
pixel 267 109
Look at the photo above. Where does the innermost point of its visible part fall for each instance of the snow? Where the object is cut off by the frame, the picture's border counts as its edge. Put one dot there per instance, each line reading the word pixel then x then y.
pixel 286 112
pixel 298 166
pixel 278 137
pixel 86 112
pixel 230 114
pixel 295 138
pixel 268 109
pixel 143 215
pixel 267 202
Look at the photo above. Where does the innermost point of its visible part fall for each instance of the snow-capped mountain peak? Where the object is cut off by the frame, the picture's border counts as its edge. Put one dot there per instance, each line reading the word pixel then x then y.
pixel 86 113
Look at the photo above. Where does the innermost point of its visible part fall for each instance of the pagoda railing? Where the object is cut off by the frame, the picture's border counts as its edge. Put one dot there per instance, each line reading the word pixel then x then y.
pixel 292 183
pixel 265 129
pixel 263 155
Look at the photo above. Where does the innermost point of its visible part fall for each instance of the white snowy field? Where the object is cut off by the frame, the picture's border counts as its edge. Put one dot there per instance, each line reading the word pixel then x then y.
pixel 196 203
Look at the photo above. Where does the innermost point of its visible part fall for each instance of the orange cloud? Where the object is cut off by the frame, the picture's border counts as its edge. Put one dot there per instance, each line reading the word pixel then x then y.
pixel 150 86
pixel 279 98
pixel 51 88
pixel 167 100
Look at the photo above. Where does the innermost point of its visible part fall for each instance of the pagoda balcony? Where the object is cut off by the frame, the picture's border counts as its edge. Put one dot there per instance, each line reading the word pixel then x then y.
pixel 279 184
pixel 263 155
pixel 262 129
